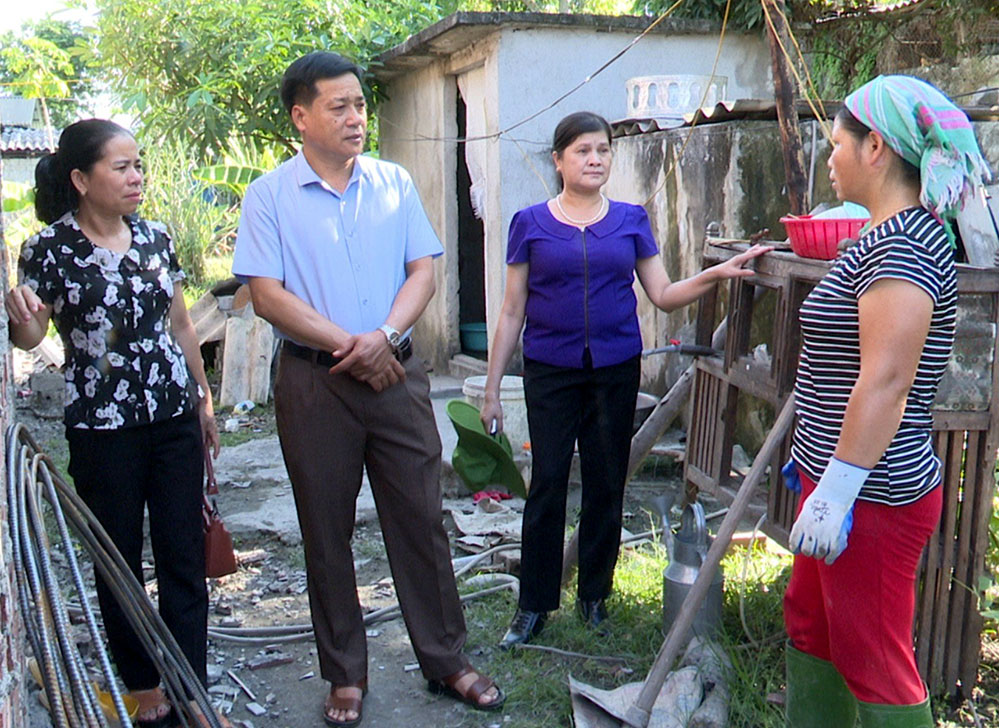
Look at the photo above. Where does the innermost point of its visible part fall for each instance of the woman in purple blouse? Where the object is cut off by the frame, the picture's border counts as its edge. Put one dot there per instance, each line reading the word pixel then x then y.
pixel 571 265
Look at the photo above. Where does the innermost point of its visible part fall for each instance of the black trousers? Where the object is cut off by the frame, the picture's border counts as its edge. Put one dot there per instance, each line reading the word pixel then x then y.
pixel 595 406
pixel 119 473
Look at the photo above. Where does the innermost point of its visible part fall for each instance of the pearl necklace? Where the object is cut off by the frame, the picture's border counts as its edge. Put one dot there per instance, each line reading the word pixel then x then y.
pixel 582 223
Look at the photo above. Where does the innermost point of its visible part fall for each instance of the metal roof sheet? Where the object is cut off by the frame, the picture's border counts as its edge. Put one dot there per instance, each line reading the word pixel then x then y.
pixel 752 110
pixel 24 141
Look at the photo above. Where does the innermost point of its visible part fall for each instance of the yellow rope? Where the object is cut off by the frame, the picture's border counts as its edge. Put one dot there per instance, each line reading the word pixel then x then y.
pixel 700 105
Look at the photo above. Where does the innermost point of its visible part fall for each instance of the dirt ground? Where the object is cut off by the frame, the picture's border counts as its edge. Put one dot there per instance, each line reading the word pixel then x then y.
pixel 270 589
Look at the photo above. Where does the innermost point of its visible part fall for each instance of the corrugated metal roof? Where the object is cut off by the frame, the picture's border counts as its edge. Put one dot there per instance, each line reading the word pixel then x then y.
pixel 19 140
pixel 754 110
pixel 856 12
pixel 727 110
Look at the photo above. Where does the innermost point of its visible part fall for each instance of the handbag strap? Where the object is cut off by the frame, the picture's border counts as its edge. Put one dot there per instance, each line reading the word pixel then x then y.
pixel 211 487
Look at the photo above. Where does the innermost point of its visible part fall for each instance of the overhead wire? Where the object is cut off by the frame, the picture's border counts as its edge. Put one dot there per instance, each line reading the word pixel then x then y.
pixel 693 123
pixel 551 105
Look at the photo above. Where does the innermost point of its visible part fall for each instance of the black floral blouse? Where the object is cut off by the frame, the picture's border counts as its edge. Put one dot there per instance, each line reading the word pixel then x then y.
pixel 112 310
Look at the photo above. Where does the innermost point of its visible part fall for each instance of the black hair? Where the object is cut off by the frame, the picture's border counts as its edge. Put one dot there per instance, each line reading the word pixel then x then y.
pixel 575 125
pixel 298 85
pixel 81 146
pixel 859 131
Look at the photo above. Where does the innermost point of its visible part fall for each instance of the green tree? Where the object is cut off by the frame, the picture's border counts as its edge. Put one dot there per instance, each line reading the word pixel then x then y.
pixel 47 59
pixel 39 68
pixel 207 71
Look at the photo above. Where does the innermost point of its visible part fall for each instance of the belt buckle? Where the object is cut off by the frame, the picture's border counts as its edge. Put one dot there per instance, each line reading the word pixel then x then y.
pixel 404 350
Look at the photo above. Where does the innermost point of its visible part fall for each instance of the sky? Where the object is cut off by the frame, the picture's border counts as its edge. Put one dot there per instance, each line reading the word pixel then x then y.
pixel 15 12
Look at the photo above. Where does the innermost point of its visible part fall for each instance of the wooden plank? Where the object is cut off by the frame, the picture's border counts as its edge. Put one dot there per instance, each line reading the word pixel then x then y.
pixel 959 421
pixel 246 362
pixel 701 480
pixel 208 319
pixel 959 593
pixel 932 584
pixel 728 403
pixel 638 714
pixel 787 338
pixel 753 378
pixel 787 110
pixel 707 311
pixel 779 264
pixel 951 484
pixel 984 489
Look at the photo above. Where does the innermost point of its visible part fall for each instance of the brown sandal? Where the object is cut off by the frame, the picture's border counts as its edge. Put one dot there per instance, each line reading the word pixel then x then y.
pixel 153 699
pixel 335 702
pixel 446 686
pixel 203 721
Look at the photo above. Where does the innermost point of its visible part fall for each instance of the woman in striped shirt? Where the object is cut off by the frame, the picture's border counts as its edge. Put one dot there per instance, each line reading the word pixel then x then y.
pixel 877 332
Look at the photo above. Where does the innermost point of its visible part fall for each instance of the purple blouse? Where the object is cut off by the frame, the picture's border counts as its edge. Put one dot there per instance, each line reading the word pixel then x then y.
pixel 579 284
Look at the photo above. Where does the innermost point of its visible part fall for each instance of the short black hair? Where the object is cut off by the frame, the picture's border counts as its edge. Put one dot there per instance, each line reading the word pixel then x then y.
pixel 298 85
pixel 575 125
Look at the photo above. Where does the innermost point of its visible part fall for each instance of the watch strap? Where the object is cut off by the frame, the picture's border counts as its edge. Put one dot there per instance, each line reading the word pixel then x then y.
pixel 394 339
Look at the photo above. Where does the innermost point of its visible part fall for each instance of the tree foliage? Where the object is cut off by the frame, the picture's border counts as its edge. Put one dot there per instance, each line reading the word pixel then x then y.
pixel 206 71
pixel 47 59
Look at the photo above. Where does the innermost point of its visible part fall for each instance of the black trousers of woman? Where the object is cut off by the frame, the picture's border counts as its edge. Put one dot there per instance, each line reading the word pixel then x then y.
pixel 597 407
pixel 119 473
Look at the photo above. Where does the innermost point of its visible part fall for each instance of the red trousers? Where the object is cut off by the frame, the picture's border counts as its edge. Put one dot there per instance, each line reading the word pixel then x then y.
pixel 858 611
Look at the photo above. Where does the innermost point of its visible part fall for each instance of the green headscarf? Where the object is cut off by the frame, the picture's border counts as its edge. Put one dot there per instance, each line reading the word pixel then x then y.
pixel 927 130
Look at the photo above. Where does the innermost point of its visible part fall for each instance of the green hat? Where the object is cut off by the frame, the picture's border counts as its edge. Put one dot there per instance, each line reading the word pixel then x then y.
pixel 482 459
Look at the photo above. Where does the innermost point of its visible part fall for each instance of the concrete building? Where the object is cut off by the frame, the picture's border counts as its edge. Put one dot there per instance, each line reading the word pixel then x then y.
pixel 503 80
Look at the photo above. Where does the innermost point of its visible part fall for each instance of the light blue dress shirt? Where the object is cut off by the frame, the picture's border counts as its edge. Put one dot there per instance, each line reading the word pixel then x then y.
pixel 343 254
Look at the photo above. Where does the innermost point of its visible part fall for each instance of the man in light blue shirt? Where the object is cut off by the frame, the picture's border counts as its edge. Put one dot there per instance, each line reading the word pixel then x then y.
pixel 338 252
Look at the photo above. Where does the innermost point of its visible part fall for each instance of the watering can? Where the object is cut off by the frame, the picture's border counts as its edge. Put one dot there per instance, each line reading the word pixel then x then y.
pixel 687 551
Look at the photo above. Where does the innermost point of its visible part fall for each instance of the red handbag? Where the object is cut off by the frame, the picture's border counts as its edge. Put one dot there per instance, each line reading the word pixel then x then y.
pixel 220 559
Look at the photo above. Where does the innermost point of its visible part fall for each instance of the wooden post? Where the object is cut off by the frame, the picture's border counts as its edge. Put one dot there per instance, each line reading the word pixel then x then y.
pixel 642 441
pixel 639 713
pixel 787 110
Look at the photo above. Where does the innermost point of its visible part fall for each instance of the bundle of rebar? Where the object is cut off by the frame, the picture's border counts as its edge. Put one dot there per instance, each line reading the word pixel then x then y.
pixel 32 477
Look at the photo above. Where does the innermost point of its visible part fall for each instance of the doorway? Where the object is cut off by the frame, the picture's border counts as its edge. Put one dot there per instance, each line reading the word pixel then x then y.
pixel 471 245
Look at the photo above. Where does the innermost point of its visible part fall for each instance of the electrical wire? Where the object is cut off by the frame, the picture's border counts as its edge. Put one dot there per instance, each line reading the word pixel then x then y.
pixel 697 116
pixel 503 132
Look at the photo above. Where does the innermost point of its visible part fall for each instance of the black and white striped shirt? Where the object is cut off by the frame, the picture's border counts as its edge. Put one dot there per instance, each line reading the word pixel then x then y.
pixel 910 246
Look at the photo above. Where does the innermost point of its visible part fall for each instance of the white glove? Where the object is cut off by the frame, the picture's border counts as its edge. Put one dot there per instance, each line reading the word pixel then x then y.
pixel 822 527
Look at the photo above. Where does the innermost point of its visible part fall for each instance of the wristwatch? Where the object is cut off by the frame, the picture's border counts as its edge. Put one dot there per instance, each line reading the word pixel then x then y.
pixel 392 335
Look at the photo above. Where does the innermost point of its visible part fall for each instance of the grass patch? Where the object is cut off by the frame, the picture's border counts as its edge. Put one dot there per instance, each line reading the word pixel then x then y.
pixel 537 682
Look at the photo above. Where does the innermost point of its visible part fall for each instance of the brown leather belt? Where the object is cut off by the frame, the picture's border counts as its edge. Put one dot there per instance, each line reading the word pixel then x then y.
pixel 324 358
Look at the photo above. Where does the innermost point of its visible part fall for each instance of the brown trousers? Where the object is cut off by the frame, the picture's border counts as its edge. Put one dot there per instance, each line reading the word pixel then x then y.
pixel 332 427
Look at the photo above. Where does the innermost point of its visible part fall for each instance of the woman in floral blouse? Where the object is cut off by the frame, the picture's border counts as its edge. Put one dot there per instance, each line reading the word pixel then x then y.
pixel 138 410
